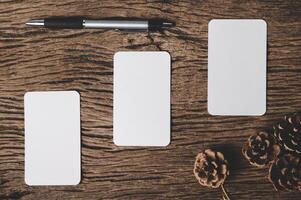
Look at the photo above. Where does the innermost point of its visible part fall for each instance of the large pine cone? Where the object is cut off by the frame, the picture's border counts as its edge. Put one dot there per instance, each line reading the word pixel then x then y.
pixel 211 168
pixel 285 173
pixel 288 133
pixel 260 149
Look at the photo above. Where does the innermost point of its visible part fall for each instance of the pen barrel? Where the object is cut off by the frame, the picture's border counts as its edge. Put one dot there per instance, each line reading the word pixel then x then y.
pixel 116 24
pixel 66 22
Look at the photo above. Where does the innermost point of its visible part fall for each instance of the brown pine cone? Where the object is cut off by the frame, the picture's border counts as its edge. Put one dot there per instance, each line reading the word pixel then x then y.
pixel 288 133
pixel 211 168
pixel 285 173
pixel 260 149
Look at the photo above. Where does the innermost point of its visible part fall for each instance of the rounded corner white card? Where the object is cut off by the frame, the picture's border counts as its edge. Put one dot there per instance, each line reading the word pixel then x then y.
pixel 141 113
pixel 52 138
pixel 237 67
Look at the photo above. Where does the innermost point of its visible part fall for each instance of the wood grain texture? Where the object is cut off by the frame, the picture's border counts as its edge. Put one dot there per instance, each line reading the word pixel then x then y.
pixel 35 59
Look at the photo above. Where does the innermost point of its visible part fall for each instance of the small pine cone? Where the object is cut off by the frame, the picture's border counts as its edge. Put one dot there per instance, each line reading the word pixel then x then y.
pixel 285 173
pixel 260 149
pixel 211 168
pixel 288 133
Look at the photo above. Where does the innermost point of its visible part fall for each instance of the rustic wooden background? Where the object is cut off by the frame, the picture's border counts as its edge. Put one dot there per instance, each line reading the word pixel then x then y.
pixel 34 59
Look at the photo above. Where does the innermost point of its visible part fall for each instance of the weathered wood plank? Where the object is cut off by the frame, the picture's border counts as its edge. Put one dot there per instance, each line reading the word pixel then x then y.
pixel 40 59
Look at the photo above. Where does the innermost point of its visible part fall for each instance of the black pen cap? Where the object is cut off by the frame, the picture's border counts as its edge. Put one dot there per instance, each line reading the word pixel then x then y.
pixel 156 25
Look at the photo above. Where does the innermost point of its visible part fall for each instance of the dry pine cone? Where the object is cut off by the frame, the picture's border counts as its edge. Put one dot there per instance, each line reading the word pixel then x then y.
pixel 288 133
pixel 285 173
pixel 260 149
pixel 211 168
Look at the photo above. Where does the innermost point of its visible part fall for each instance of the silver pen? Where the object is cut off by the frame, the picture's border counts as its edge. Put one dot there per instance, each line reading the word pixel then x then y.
pixel 77 22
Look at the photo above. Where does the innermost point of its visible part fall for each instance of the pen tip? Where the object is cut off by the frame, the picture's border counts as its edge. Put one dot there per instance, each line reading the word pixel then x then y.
pixel 35 22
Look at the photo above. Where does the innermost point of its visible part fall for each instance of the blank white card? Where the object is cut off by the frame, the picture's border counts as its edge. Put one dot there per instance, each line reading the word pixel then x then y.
pixel 237 67
pixel 52 138
pixel 141 99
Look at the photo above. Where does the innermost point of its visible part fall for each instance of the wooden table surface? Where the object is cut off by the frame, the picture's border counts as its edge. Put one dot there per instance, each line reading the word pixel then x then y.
pixel 34 59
